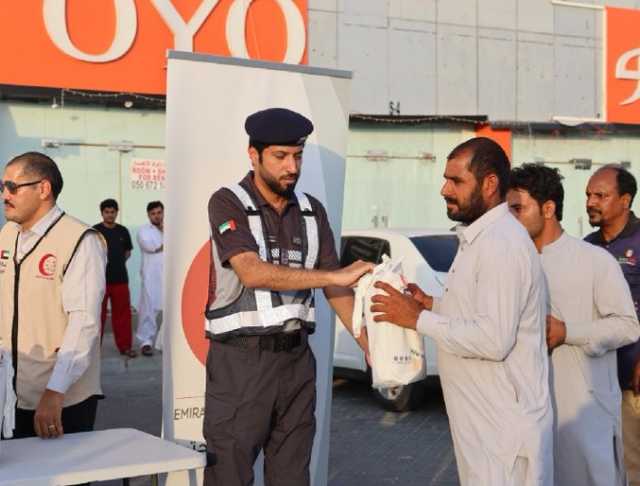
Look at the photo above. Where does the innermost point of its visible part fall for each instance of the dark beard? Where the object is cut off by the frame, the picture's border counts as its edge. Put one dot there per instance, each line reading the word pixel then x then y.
pixel 277 188
pixel 597 223
pixel 473 211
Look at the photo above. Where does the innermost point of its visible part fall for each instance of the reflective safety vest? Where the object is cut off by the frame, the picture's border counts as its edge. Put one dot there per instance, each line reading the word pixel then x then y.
pixel 262 311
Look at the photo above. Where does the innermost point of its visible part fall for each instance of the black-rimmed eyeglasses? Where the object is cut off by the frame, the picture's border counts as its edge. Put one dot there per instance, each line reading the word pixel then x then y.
pixel 12 187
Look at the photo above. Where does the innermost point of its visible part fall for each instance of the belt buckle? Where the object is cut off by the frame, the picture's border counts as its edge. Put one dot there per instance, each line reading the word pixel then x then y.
pixel 277 344
pixel 282 343
pixel 269 343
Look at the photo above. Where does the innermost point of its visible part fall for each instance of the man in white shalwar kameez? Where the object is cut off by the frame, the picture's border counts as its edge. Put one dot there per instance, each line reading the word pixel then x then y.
pixel 150 240
pixel 591 314
pixel 488 327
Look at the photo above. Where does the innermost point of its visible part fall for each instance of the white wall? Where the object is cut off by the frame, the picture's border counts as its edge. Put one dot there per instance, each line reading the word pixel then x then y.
pixel 508 59
pixel 91 173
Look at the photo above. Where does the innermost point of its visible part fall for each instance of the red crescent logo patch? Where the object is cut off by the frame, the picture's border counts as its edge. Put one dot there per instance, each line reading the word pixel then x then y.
pixel 47 265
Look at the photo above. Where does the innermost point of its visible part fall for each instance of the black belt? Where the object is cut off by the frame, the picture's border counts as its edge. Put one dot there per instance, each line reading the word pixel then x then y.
pixel 276 343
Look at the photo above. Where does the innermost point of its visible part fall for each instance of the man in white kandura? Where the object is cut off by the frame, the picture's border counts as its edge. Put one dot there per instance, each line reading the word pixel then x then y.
pixel 150 240
pixel 488 327
pixel 591 314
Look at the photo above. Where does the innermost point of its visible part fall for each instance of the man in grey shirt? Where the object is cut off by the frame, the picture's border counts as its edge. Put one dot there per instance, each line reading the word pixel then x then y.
pixel 488 327
pixel 591 315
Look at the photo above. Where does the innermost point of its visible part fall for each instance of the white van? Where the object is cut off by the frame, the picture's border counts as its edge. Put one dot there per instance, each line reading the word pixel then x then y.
pixel 426 258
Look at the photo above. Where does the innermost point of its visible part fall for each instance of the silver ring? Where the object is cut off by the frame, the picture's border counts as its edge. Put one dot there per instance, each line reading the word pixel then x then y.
pixel 51 427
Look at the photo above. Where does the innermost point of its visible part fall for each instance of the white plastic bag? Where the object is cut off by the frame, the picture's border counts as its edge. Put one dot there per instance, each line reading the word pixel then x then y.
pixel 7 394
pixel 397 354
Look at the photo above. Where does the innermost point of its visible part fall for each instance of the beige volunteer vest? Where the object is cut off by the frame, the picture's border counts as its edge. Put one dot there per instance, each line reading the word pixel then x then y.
pixel 34 329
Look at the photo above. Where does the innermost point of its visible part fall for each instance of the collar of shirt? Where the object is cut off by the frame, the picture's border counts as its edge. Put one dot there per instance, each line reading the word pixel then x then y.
pixel 467 234
pixel 250 185
pixel 41 227
pixel 557 244
pixel 633 225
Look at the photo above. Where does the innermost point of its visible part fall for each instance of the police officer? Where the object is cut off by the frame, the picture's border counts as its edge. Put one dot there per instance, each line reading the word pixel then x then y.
pixel 271 247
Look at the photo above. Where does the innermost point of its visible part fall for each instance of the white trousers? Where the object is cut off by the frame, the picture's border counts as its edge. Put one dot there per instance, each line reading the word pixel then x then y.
pixel 495 474
pixel 147 323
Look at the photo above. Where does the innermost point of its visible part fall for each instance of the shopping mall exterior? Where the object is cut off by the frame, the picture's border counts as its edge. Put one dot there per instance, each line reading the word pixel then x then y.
pixel 555 82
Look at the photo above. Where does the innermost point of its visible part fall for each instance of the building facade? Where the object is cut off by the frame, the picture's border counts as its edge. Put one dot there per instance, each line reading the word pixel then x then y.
pixel 428 74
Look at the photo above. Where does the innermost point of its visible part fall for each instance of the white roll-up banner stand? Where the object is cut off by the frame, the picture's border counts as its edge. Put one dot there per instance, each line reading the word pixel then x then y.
pixel 208 100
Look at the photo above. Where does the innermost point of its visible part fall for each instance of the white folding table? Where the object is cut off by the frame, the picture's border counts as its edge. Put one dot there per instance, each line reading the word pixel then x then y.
pixel 91 456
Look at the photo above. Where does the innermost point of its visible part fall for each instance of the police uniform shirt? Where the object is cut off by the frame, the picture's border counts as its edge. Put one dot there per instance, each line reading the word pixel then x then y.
pixel 283 232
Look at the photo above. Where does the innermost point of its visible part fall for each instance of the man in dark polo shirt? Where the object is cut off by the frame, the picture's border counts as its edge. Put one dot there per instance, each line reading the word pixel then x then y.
pixel 271 247
pixel 119 250
pixel 610 194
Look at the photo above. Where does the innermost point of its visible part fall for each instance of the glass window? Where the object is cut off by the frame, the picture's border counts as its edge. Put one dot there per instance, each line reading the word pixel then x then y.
pixel 355 248
pixel 438 250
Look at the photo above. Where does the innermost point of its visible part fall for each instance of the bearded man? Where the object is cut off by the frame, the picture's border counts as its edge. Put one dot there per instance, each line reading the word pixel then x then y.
pixel 489 328
pixel 270 248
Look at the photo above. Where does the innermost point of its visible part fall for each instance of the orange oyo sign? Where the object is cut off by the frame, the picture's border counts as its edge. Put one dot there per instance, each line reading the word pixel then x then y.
pixel 120 45
pixel 622 65
pixel 502 136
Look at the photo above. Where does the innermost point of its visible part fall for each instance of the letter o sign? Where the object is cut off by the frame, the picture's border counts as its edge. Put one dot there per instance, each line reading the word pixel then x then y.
pixel 55 21
pixel 184 31
pixel 236 28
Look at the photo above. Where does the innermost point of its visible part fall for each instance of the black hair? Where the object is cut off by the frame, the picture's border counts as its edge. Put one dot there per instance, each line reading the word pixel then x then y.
pixel 109 203
pixel 259 146
pixel 542 183
pixel 488 157
pixel 153 205
pixel 40 165
pixel 624 179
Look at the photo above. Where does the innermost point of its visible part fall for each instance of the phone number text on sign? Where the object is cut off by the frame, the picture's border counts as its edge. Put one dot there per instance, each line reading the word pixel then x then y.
pixel 148 174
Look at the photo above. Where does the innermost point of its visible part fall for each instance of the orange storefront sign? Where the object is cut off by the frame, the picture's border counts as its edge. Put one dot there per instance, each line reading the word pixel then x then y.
pixel 622 66
pixel 120 45
pixel 500 135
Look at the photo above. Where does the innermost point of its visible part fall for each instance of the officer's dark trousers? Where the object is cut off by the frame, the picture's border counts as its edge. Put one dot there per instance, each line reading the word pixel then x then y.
pixel 259 400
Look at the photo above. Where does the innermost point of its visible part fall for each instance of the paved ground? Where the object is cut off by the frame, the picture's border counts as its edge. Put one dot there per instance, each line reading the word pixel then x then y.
pixel 368 445
pixel 376 448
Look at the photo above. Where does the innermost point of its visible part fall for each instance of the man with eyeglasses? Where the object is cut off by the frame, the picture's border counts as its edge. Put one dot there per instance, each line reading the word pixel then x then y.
pixel 52 281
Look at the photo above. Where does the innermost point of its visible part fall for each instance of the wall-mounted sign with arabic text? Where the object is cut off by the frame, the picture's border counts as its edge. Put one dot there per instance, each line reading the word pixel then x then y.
pixel 148 174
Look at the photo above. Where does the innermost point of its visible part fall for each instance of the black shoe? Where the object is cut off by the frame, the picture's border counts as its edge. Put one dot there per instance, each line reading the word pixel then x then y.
pixel 146 350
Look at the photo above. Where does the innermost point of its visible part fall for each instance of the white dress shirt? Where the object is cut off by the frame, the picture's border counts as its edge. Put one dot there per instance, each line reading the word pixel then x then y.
pixel 489 327
pixel 83 288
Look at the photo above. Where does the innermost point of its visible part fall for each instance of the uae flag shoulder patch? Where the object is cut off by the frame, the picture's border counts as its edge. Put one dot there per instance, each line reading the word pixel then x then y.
pixel 227 226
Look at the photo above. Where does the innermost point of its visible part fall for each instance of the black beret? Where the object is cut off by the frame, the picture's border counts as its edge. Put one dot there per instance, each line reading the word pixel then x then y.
pixel 278 126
